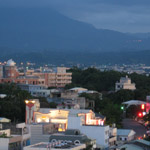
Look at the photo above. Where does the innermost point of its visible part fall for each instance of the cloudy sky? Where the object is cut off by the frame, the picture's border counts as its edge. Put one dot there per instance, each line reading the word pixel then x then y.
pixel 121 15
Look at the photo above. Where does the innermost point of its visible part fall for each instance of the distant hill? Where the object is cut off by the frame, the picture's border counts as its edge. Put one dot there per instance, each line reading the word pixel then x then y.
pixel 74 58
pixel 34 29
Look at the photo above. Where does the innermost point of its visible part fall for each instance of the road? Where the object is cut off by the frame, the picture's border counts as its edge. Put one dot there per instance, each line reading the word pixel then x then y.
pixel 137 127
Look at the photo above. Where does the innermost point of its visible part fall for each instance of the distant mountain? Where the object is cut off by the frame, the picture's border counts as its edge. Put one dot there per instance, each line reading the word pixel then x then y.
pixel 74 58
pixel 33 29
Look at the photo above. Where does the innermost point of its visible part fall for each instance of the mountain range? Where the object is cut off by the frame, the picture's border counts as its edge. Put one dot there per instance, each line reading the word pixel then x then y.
pixel 36 29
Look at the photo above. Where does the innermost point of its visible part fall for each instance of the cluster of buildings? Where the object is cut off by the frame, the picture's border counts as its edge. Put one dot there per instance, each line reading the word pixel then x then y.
pixel 71 98
pixel 68 129
pixel 9 73
pixel 130 68
pixel 73 125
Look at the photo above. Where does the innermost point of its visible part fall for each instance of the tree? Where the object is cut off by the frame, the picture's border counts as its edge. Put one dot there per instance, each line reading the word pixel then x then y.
pixel 13 106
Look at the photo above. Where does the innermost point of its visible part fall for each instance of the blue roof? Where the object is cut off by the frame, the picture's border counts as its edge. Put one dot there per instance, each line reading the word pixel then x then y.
pixel 124 131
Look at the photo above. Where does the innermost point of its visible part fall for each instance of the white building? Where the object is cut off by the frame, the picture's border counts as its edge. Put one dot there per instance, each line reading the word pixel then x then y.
pixel 100 133
pixel 36 90
pixel 125 83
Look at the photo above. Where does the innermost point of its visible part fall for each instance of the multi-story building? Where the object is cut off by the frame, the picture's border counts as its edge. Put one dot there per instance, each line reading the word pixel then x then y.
pixel 11 75
pixel 14 137
pixel 59 78
pixel 125 83
pixel 36 90
pixel 72 97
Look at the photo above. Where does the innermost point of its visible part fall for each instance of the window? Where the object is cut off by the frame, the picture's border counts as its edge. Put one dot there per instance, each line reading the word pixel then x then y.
pixel 76 142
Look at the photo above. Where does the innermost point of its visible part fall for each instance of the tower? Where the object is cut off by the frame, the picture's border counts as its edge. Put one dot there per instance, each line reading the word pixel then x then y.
pixel 10 69
pixel 32 105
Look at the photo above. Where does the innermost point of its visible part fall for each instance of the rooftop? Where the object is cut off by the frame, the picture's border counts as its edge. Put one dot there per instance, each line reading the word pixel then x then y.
pixel 124 131
pixel 53 146
pixel 10 62
pixel 71 111
pixel 2 119
pixel 143 142
pixel 131 147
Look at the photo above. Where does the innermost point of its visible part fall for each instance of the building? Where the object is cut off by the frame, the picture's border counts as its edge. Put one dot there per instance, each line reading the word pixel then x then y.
pixel 74 136
pixel 72 97
pixel 77 103
pixel 112 136
pixel 55 146
pixel 11 75
pixel 125 135
pixel 94 128
pixel 59 78
pixel 36 90
pixel 10 70
pixel 14 136
pixel 135 145
pixel 59 120
pixel 125 83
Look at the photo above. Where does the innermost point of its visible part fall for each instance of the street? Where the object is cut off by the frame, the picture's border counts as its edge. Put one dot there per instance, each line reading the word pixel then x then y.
pixel 132 124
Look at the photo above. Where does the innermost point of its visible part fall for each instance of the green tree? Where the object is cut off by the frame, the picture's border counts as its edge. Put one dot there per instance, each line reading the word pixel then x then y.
pixel 13 106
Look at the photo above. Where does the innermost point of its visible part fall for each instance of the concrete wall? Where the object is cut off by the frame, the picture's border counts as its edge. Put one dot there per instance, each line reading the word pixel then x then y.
pixel 37 135
pixel 4 142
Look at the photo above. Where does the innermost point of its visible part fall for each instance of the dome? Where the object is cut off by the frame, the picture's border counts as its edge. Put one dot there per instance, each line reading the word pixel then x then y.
pixel 10 62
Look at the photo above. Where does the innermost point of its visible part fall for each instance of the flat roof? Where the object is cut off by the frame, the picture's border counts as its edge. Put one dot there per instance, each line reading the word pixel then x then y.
pixel 131 147
pixel 45 145
pixel 143 142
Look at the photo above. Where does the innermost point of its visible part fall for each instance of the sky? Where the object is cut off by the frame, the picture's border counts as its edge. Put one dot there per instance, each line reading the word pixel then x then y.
pixel 120 15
